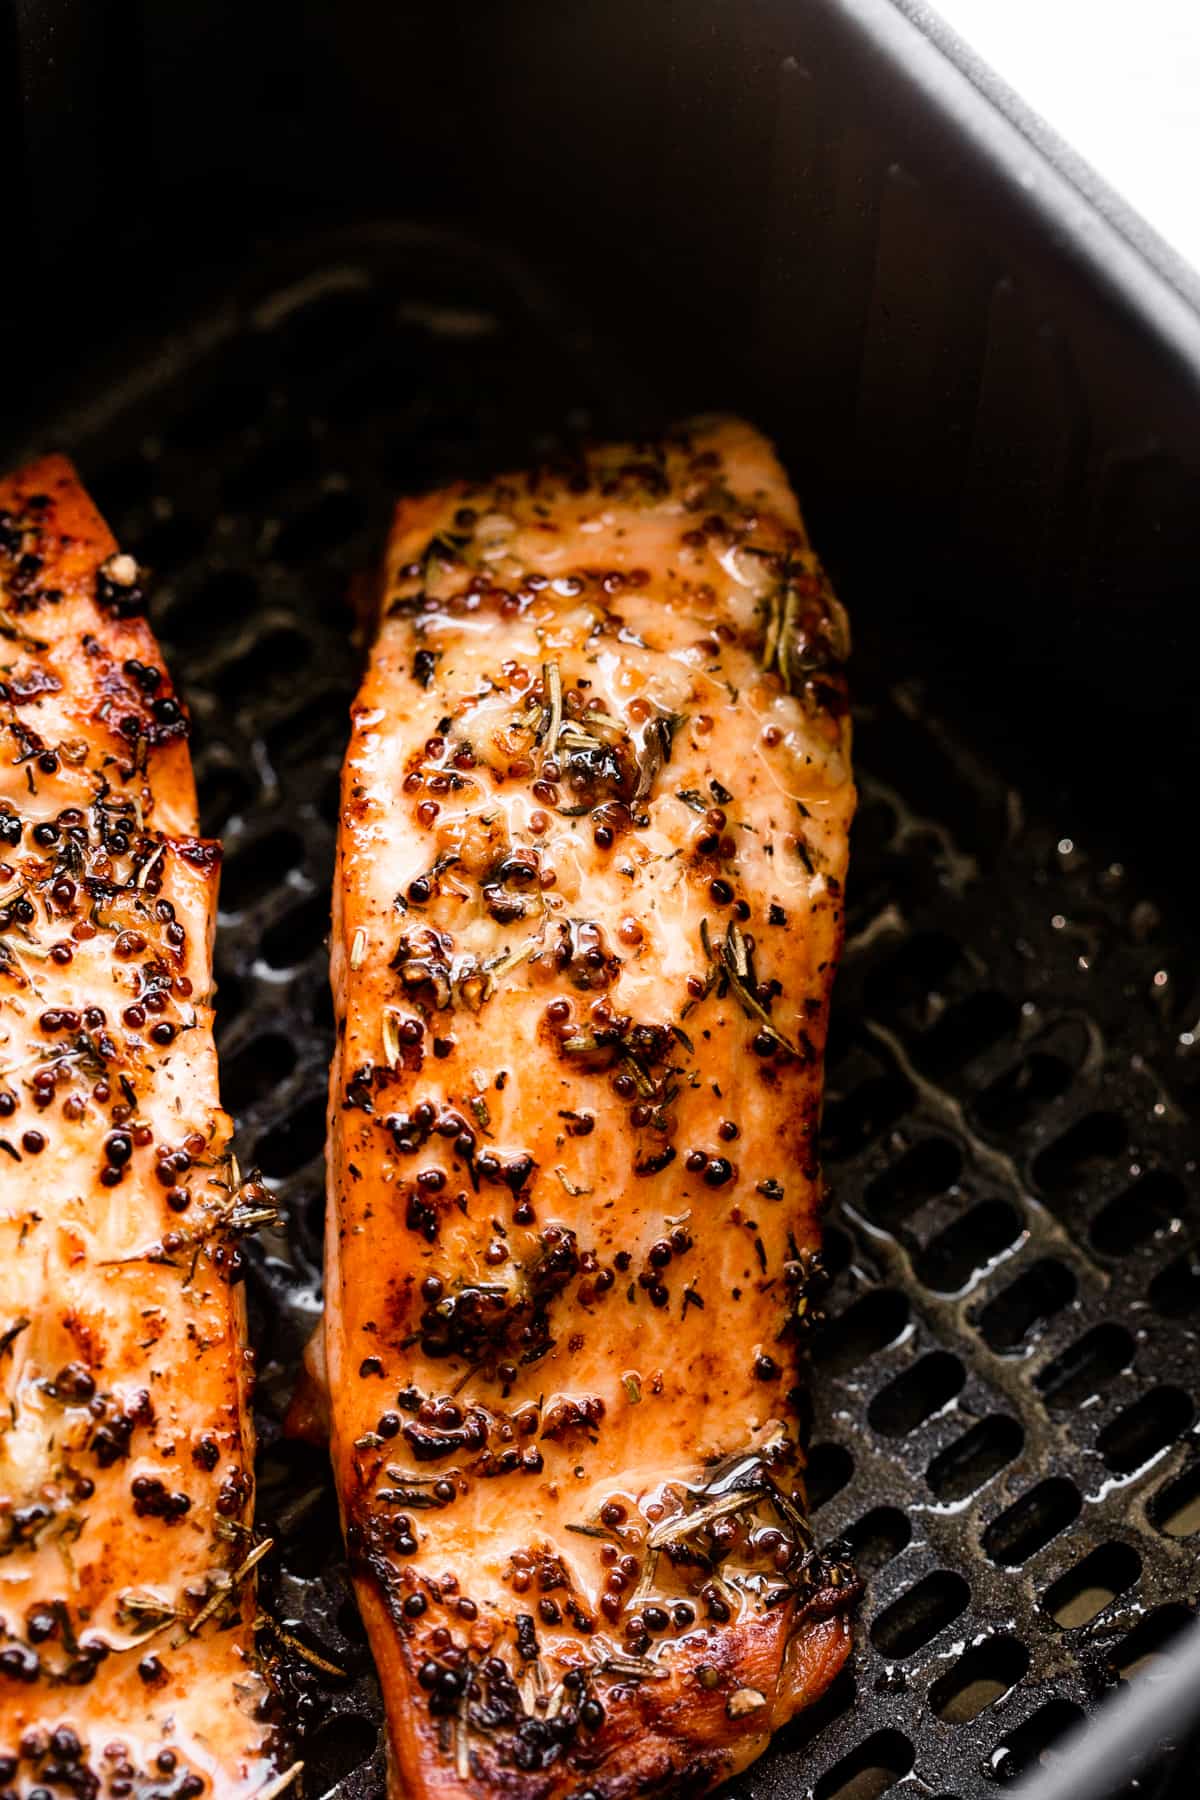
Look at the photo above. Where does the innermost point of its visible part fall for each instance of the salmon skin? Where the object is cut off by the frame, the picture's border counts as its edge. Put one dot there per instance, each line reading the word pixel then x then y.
pixel 127 1657
pixel 587 910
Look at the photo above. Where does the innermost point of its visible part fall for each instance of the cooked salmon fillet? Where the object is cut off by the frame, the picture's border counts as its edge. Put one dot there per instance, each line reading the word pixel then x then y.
pixel 587 911
pixel 127 1661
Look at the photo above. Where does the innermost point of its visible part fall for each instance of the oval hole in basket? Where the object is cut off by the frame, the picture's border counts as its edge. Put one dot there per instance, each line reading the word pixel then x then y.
pixel 226 597
pixel 1018 1750
pixel 336 1748
pixel 1086 1367
pixel 808 1726
pixel 969 1463
pixel 1154 1634
pixel 857 1120
pixel 271 658
pixel 258 867
pixel 172 541
pixel 315 729
pixel 875 1320
pixel 1071 1161
pixel 1035 1296
pixel 1175 1290
pixel 229 998
pixel 225 790
pixel 920 1613
pixel 870 1770
pixel 292 938
pixel 919 967
pixel 837 1250
pixel 1016 1098
pixel 321 527
pixel 829 1468
pixel 1030 1522
pixel 1142 1210
pixel 277 465
pixel 981 1676
pixel 965 1031
pixel 929 1168
pixel 1175 1508
pixel 917 1394
pixel 1092 1584
pixel 877 1537
pixel 1145 1429
pixel 948 1262
pixel 322 1010
pixel 295 1140
pixel 318 332
pixel 252 1072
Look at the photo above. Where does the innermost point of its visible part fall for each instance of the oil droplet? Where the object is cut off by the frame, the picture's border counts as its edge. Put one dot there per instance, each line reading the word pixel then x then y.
pixel 1001 1765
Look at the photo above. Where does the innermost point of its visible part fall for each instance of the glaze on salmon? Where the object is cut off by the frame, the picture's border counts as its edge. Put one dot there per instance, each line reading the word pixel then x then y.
pixel 587 912
pixel 127 1663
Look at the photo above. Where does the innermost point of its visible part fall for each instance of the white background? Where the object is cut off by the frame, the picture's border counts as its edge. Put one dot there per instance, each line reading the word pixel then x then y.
pixel 1119 80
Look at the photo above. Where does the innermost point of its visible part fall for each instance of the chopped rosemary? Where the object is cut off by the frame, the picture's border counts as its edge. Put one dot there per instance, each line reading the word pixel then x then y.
pixel 673 1531
pixel 144 1612
pixel 736 963
pixel 10 629
pixel 645 1086
pixel 9 1337
pixel 573 1188
pixel 510 959
pixel 657 740
pixel 633 1388
pixel 791 1515
pixel 227 1586
pixel 781 611
pixel 391 1037
pixel 645 1584
pixel 358 949
pixel 592 1531
pixel 633 1666
pixel 302 1650
pixel 270 1790
pixel 552 718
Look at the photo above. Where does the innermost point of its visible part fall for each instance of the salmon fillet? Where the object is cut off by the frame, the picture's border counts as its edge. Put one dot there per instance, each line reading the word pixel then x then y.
pixel 127 1661
pixel 587 911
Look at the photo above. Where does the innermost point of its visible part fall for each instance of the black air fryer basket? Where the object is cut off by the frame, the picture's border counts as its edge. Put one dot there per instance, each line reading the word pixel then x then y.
pixel 270 267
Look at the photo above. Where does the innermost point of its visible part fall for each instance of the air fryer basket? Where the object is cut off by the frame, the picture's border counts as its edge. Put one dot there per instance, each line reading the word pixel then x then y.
pixel 1004 1428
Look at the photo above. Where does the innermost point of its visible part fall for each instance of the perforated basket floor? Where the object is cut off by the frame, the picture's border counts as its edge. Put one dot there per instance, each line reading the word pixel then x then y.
pixel 1004 1428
